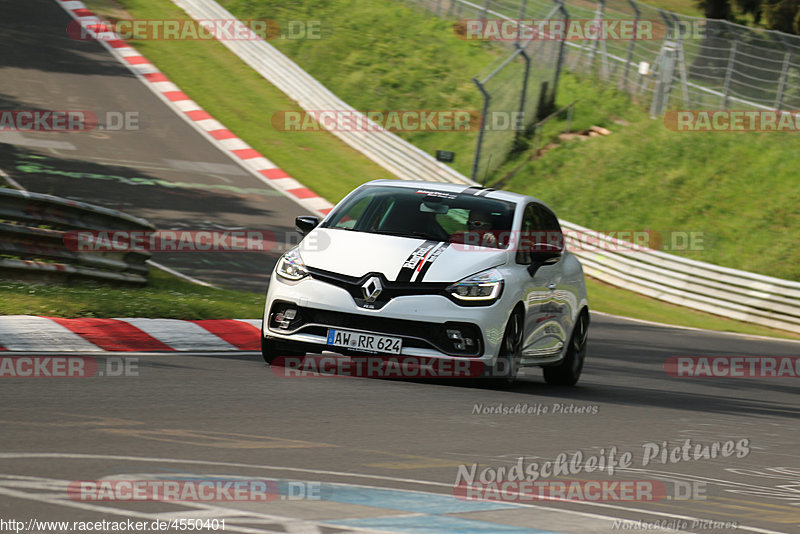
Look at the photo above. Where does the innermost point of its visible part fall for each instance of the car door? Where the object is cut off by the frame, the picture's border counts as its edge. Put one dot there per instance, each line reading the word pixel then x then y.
pixel 544 322
pixel 559 308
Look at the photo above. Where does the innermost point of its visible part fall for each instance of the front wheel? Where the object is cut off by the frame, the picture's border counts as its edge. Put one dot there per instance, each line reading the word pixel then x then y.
pixel 569 370
pixel 506 368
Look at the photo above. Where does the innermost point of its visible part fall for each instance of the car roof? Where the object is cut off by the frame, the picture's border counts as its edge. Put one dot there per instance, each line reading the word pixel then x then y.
pixel 460 188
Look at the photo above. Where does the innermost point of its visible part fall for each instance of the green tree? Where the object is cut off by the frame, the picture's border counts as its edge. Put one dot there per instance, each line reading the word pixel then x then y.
pixel 750 7
pixel 715 9
pixel 781 15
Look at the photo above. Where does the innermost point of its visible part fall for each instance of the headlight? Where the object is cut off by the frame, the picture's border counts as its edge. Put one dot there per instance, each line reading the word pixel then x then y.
pixel 290 266
pixel 482 288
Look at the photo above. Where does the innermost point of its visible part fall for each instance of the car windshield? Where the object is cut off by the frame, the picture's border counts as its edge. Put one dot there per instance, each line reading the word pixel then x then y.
pixel 426 214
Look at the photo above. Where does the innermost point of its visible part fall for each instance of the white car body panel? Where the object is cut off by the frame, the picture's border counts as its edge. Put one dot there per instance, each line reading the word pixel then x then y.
pixel 551 300
pixel 357 253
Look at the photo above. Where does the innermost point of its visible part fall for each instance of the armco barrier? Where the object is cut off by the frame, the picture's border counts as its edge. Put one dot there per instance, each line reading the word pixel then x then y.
pixel 740 295
pixel 727 292
pixel 33 228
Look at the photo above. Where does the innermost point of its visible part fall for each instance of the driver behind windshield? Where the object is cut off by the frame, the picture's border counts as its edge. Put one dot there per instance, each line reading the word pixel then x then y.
pixel 479 226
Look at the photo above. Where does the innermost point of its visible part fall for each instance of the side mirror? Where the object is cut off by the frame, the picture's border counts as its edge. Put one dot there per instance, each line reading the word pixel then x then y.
pixel 543 254
pixel 305 223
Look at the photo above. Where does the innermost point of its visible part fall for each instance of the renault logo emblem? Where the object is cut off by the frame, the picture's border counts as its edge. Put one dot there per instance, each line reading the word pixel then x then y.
pixel 372 289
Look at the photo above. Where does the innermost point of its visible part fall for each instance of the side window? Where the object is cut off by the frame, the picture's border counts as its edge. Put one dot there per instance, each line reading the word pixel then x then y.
pixel 349 219
pixel 539 225
pixel 530 225
pixel 366 214
pixel 553 234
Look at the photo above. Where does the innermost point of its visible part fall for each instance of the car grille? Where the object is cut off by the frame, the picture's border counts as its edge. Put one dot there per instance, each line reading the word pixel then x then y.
pixel 419 334
pixel 353 285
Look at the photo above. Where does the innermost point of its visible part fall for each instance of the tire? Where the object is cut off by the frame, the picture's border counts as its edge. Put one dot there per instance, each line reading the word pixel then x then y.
pixel 506 368
pixel 271 349
pixel 569 370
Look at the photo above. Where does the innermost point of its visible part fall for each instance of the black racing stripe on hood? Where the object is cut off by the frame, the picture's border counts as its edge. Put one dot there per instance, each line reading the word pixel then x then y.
pixel 413 260
pixel 430 259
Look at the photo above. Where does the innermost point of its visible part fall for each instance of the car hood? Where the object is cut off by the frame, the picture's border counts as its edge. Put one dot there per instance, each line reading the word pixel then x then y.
pixel 398 258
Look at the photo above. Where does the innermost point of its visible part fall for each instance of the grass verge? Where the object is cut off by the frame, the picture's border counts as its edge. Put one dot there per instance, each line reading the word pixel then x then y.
pixel 228 89
pixel 166 296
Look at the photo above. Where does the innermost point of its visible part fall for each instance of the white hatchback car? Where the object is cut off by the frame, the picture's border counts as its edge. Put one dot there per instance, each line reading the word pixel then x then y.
pixel 433 270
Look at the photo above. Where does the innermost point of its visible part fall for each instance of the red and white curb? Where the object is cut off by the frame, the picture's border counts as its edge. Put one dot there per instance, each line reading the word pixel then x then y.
pixel 26 333
pixel 213 130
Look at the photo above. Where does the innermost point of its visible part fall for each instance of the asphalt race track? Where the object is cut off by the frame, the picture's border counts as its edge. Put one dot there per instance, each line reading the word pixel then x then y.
pixel 345 454
pixel 232 416
pixel 43 68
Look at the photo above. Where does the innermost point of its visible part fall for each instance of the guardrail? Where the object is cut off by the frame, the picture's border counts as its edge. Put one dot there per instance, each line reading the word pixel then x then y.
pixel 731 293
pixel 718 290
pixel 34 237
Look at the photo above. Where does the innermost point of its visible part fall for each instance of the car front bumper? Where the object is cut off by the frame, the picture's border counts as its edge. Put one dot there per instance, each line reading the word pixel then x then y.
pixel 422 321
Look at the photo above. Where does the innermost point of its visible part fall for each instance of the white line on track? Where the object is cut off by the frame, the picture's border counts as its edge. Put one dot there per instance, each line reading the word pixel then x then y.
pixel 13 455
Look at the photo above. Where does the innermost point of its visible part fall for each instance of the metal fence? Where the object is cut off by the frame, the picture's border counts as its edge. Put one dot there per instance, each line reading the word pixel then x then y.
pixel 691 62
pixel 518 88
pixel 700 63
pixel 681 62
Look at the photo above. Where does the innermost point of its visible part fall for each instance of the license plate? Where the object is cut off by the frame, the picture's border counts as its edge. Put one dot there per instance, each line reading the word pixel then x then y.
pixel 364 342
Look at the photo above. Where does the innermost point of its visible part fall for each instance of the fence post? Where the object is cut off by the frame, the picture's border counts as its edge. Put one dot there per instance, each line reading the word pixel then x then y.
pixel 520 117
pixel 681 59
pixel 726 88
pixel 599 14
pixel 666 69
pixel 486 99
pixel 522 6
pixel 787 59
pixel 485 11
pixel 624 81
pixel 561 48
